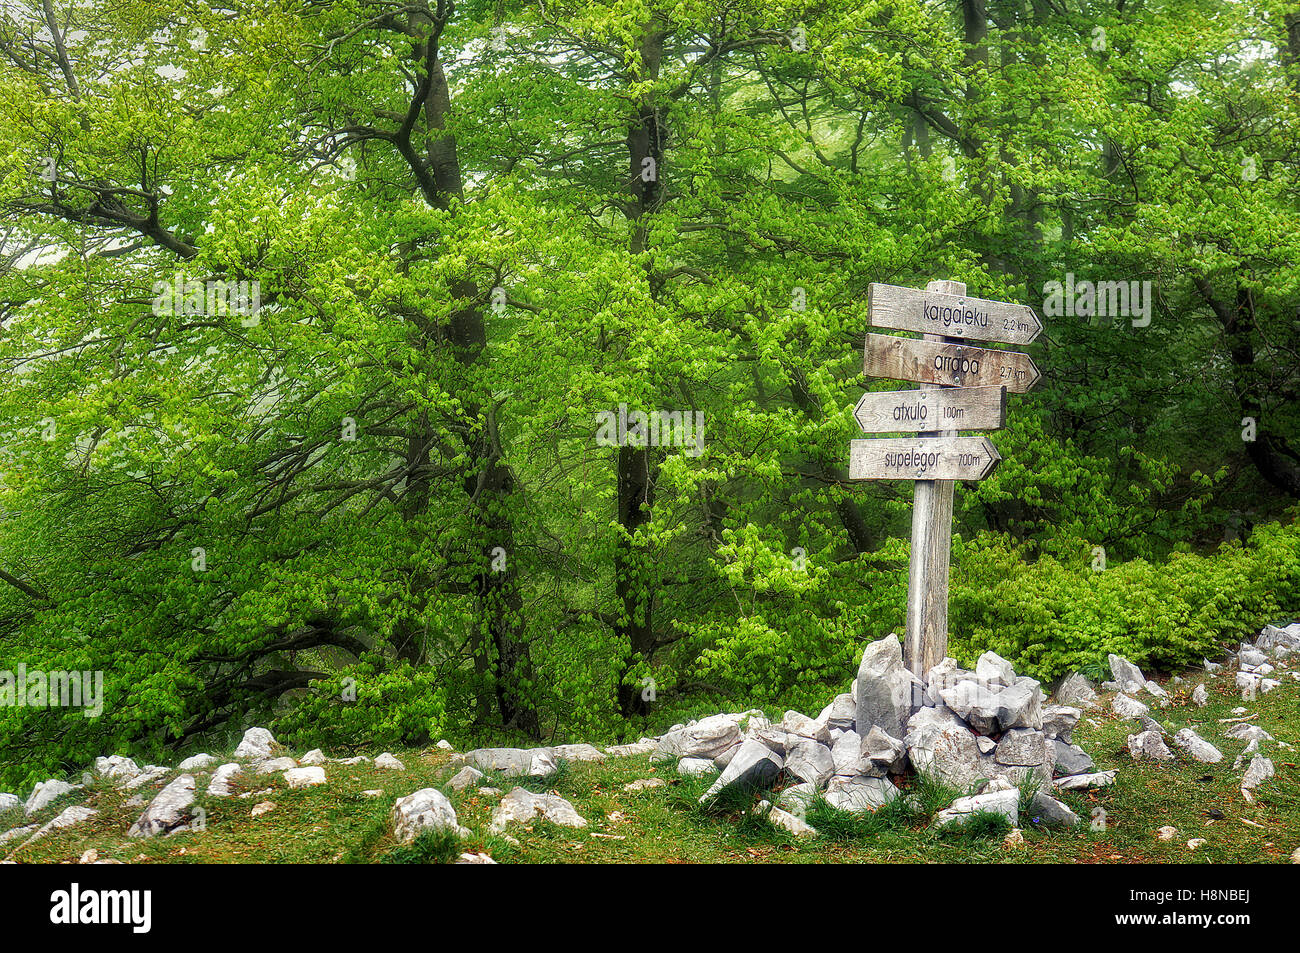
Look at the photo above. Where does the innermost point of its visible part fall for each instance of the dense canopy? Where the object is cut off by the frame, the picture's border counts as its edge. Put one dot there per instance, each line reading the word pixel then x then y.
pixel 325 328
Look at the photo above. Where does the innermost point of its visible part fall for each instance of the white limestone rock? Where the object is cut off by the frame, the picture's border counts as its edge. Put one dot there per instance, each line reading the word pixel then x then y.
pixel 1149 746
pixel 1260 770
pixel 809 760
pixel 644 784
pixel 388 762
pixel 695 767
pixel 940 744
pixel 426 809
pixel 45 793
pixel 1197 747
pixel 1059 722
pixel 68 817
pixel 1006 803
pixel 1076 691
pixel 1021 747
pixel 258 744
pixel 883 753
pixel 312 757
pixel 1127 675
pixel 859 795
pixel 707 738
pixel 520 806
pixel 884 688
pixel 786 821
pixel 991 710
pixel 219 783
pixel 510 762
pixel 1200 697
pixel 627 751
pixel 116 767
pixel 841 714
pixel 276 765
pixel 994 671
pixel 197 762
pixel 305 777
pixel 1080 782
pixel 1071 759
pixel 797 798
pixel 796 724
pixel 1050 812
pixel 1128 708
pixel 169 811
pixel 577 754
pixel 1246 732
pixel 466 777
pixel 754 766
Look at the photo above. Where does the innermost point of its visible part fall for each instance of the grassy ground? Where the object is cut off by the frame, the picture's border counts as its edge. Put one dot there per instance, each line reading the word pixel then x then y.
pixel 338 823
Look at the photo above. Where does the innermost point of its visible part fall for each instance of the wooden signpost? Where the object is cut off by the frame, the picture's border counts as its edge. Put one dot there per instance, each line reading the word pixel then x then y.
pixel 954 365
pixel 912 411
pixel 962 388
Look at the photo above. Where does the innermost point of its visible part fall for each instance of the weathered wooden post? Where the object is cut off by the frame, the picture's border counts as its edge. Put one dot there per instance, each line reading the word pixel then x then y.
pixel 946 403
pixel 926 640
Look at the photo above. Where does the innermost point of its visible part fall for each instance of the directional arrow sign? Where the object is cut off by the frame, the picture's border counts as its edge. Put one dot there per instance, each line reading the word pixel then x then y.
pixel 922 458
pixel 931 362
pixel 954 316
pixel 941 408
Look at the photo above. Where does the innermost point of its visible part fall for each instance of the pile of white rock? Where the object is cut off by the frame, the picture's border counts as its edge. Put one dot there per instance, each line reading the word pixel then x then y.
pixel 989 730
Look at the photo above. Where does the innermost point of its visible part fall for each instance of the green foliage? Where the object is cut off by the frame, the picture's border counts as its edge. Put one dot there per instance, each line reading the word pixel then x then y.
pixel 393 475
pixel 1051 617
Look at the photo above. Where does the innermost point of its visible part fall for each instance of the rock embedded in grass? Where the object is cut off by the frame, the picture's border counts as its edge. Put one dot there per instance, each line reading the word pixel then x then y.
pixel 168 812
pixel 305 777
pixel 388 762
pixel 859 795
pixel 521 806
pixel 198 762
pixel 276 765
pixel 786 821
pixel 577 754
pixel 1197 747
pixel 219 783
pixel 1006 803
pixel 466 777
pixel 46 793
pixel 1200 697
pixel 1149 746
pixel 1128 708
pixel 627 751
pixel 426 809
pixel 1080 782
pixel 1050 812
pixel 1260 770
pixel 116 767
pixel 644 784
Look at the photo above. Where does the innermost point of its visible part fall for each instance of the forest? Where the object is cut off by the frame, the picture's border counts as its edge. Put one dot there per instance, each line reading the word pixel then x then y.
pixel 390 370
